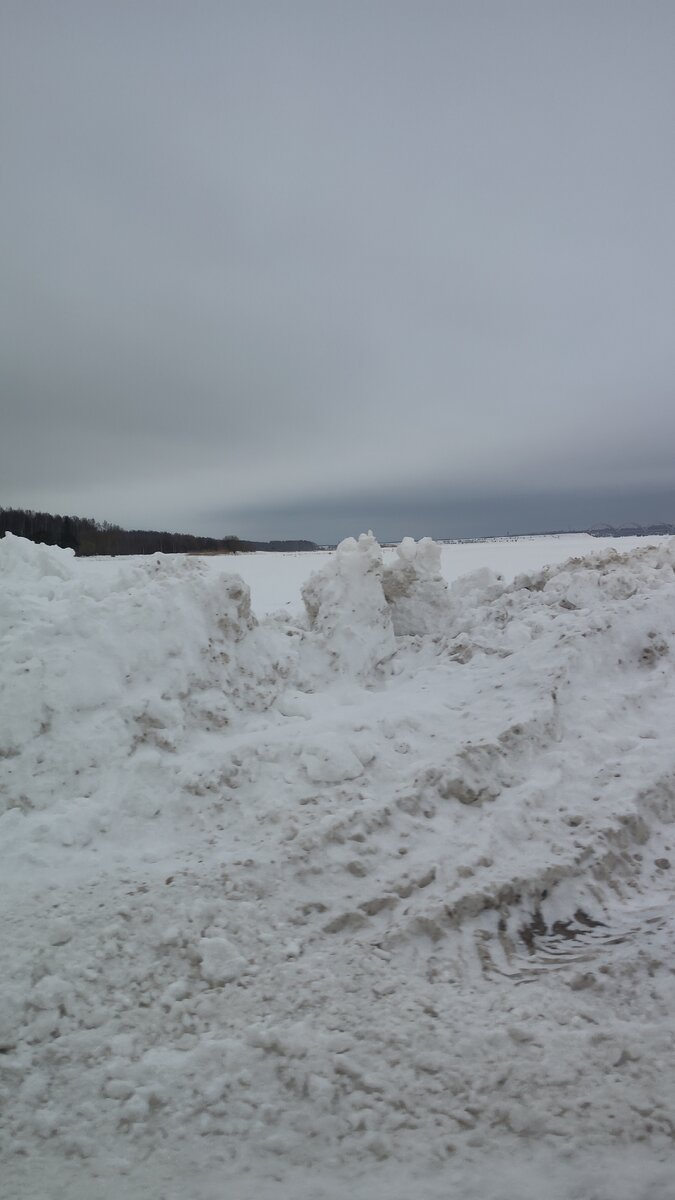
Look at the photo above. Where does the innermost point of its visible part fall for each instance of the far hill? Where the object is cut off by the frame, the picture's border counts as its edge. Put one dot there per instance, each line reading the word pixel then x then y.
pixel 631 530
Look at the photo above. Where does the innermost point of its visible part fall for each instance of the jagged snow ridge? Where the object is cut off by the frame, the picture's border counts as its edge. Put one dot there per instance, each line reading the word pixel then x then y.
pixel 389 882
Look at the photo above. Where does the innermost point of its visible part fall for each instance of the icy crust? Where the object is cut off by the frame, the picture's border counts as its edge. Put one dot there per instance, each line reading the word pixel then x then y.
pixel 297 900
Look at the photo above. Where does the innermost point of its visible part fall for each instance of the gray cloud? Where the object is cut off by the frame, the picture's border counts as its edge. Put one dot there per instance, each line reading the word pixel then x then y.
pixel 444 513
pixel 260 259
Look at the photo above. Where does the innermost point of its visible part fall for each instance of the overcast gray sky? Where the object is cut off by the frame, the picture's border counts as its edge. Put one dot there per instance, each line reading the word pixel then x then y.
pixel 290 268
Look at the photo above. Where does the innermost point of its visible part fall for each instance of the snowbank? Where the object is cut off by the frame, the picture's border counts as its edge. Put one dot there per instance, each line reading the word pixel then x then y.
pixel 373 899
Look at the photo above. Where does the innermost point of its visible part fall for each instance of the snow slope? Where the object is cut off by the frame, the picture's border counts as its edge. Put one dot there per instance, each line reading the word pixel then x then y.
pixel 368 900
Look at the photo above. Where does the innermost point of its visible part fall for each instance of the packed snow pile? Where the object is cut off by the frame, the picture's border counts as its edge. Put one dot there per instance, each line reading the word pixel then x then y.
pixel 372 897
pixel 346 606
pixel 415 589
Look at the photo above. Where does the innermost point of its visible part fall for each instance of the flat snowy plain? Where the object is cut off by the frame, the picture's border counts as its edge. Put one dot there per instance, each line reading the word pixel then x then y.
pixel 366 893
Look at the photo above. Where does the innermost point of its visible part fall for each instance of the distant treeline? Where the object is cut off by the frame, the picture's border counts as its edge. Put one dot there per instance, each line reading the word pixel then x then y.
pixel 86 536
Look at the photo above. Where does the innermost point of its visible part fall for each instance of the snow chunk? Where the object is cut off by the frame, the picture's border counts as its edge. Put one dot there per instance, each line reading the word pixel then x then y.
pixel 28 562
pixel 483 584
pixel 330 761
pixel 235 618
pixel 51 992
pixel 122 658
pixel 415 589
pixel 345 603
pixel 220 960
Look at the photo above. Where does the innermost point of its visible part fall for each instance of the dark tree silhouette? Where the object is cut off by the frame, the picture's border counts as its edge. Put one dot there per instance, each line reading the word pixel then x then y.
pixel 86 536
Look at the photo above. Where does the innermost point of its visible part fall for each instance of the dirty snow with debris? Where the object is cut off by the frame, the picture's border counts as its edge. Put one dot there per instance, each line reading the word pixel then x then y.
pixel 368 897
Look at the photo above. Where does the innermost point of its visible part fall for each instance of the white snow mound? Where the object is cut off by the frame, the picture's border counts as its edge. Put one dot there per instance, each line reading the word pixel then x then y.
pixel 346 606
pixel 372 900
pixel 415 589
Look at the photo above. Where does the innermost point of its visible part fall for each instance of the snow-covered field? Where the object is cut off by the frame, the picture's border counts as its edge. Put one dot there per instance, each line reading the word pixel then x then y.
pixel 369 896
pixel 275 580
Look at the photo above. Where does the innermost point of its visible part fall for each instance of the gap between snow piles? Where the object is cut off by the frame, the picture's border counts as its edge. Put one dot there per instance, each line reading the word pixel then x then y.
pixel 389 880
